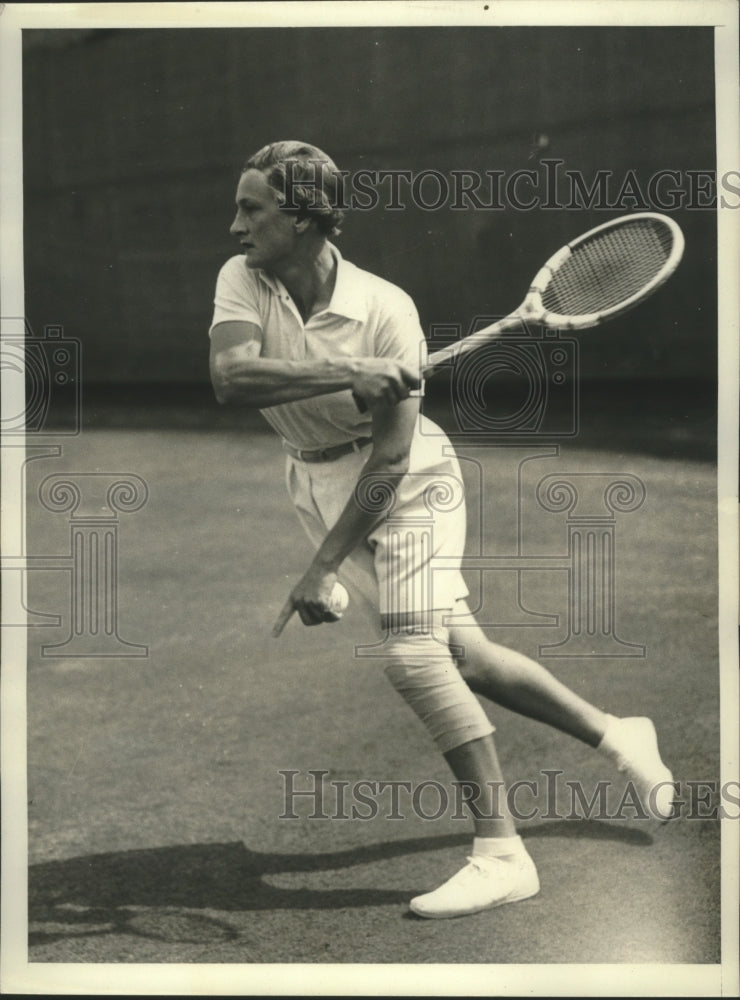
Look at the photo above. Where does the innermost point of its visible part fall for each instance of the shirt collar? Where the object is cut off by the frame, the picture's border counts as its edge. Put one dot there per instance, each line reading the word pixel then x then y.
pixel 346 299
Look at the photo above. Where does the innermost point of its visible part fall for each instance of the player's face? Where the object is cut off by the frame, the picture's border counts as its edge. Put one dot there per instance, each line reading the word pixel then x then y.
pixel 267 234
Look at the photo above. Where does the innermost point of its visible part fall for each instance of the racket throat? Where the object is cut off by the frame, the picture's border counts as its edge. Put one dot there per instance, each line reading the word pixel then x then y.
pixel 530 311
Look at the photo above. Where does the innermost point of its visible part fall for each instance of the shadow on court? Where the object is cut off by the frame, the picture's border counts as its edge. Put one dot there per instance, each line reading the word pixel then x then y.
pixel 147 892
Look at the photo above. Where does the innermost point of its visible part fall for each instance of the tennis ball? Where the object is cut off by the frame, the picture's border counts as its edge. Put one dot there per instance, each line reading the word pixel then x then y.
pixel 338 603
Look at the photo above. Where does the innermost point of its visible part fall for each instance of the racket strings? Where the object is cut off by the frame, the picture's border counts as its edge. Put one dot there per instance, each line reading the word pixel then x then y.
pixel 608 269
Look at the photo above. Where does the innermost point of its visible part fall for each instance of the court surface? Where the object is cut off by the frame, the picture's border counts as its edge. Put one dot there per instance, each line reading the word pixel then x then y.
pixel 154 782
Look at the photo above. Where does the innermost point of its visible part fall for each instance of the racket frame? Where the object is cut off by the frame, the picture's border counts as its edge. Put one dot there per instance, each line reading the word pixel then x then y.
pixel 532 311
pixel 583 322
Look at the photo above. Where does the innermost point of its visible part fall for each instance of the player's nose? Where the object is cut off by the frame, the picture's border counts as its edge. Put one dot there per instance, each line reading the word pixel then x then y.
pixel 237 227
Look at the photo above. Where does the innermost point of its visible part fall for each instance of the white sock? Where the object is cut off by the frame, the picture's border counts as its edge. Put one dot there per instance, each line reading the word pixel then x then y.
pixel 498 847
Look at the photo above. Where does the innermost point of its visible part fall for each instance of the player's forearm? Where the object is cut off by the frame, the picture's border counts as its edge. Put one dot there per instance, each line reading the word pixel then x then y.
pixel 265 382
pixel 368 506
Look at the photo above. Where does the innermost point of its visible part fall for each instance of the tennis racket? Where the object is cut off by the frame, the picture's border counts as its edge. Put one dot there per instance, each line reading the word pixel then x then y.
pixel 596 277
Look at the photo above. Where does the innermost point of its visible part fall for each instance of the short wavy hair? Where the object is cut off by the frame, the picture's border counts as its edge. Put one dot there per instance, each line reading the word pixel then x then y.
pixel 308 181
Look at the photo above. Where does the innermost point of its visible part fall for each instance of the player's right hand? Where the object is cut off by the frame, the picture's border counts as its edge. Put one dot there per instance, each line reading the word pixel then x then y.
pixel 383 381
pixel 311 598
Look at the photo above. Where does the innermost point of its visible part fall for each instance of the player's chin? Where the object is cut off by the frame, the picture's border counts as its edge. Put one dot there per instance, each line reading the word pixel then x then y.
pixel 251 259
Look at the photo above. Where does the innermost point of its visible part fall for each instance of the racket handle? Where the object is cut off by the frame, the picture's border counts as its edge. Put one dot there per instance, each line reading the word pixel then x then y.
pixel 442 357
pixel 471 343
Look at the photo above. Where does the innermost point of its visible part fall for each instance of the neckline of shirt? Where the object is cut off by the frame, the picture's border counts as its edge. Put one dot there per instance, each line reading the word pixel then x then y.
pixel 346 299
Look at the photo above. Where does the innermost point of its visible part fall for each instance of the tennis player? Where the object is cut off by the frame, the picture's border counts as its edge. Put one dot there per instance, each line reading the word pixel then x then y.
pixel 332 355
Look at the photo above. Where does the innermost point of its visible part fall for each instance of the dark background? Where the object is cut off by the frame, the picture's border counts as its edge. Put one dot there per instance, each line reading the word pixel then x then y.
pixel 134 139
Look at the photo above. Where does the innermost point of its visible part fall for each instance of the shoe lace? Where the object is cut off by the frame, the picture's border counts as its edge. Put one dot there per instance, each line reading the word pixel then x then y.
pixel 479 866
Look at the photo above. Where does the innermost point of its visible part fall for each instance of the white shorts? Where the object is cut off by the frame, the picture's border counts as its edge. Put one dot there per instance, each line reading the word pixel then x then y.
pixel 410 564
pixel 408 568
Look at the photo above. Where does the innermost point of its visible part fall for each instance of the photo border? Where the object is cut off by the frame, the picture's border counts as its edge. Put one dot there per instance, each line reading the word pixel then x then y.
pixel 16 974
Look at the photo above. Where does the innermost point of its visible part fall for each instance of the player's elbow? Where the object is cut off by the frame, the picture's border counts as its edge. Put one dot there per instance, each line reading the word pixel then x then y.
pixel 222 389
pixel 225 387
pixel 235 380
pixel 395 461
pixel 399 464
pixel 219 379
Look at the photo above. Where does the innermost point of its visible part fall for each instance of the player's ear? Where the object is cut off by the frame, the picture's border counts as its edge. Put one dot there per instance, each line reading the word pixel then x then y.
pixel 302 224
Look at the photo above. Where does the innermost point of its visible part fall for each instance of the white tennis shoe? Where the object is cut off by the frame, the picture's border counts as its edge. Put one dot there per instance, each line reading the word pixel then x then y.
pixel 633 744
pixel 482 884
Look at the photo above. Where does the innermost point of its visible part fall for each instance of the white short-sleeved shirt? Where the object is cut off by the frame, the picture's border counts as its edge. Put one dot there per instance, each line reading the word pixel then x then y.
pixel 367 317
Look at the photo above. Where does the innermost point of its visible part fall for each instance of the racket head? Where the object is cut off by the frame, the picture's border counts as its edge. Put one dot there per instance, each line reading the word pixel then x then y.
pixel 605 272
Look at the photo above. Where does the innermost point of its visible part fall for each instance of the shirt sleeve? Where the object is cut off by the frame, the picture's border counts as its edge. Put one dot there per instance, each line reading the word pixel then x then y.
pixel 236 296
pixel 400 335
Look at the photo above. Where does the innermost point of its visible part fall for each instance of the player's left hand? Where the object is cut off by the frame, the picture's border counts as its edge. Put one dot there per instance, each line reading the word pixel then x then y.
pixel 311 598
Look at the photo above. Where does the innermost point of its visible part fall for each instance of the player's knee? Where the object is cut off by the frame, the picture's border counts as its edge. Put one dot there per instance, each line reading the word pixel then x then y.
pixel 424 673
pixel 478 660
pixel 470 671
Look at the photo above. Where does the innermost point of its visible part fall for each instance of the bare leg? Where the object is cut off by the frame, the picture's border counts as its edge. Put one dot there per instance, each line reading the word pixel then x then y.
pixel 476 765
pixel 518 683
pixel 499 869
